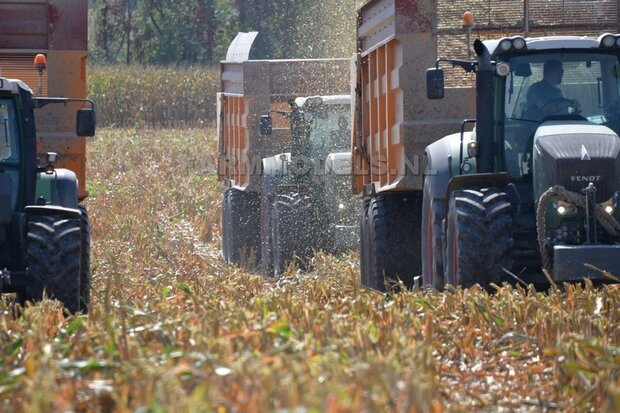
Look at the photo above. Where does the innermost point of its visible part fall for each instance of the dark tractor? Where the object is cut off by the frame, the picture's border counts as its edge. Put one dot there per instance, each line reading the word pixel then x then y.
pixel 306 203
pixel 536 184
pixel 44 232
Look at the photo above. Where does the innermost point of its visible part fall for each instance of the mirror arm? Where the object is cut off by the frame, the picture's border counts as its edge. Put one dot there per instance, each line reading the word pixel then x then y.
pixel 41 102
pixel 280 112
pixel 467 65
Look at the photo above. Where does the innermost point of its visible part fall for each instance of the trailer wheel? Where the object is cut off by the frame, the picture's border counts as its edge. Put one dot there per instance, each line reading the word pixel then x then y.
pixel 54 259
pixel 433 213
pixel 478 237
pixel 391 239
pixel 85 273
pixel 242 228
pixel 294 230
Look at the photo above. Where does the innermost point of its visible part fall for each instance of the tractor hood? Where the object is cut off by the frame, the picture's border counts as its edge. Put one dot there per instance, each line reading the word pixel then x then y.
pixel 573 154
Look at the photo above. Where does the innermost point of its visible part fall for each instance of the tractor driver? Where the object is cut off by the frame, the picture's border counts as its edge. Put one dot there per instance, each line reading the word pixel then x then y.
pixel 545 98
pixel 341 137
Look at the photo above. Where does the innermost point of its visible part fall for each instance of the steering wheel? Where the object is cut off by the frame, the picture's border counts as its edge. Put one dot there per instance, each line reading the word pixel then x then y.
pixel 560 106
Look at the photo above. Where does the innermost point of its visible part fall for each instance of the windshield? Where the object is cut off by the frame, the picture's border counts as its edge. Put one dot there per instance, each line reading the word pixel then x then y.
pixel 330 130
pixel 8 131
pixel 544 86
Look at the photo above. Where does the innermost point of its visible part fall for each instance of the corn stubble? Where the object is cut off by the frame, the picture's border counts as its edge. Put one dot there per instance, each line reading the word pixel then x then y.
pixel 172 328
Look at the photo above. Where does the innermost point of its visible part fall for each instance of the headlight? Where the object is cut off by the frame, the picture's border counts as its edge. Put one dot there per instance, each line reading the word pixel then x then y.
pixel 608 40
pixel 472 149
pixel 609 209
pixel 505 45
pixel 518 43
pixel 565 209
pixel 502 69
pixel 508 43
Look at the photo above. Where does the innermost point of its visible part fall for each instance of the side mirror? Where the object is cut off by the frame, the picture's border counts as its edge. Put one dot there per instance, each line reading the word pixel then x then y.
pixel 266 125
pixel 85 122
pixel 434 83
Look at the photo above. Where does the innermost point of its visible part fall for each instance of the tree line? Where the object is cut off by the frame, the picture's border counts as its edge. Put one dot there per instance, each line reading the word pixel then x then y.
pixel 198 32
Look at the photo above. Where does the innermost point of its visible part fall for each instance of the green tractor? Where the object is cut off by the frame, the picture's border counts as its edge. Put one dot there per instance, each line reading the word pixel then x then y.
pixel 536 184
pixel 44 232
pixel 305 201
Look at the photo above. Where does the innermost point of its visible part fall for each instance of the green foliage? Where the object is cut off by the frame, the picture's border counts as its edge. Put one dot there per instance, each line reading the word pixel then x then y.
pixel 184 32
pixel 153 96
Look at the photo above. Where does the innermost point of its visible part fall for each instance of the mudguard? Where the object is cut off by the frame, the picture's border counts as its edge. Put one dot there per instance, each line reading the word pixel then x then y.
pixel 276 165
pixel 340 163
pixel 52 210
pixel 442 159
pixel 58 188
pixel 275 169
pixel 482 180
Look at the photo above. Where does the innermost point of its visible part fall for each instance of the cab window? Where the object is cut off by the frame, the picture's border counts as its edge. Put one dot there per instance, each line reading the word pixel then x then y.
pixel 9 150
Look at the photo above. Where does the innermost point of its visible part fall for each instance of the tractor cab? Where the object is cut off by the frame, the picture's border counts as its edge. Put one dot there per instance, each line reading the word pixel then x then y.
pixel 328 119
pixel 545 139
pixel 17 154
pixel 44 232
pixel 551 82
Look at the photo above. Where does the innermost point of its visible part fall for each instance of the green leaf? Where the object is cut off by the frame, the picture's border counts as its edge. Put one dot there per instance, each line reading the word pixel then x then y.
pixel 372 334
pixel 165 292
pixel 185 288
pixel 75 324
pixel 15 346
pixel 282 329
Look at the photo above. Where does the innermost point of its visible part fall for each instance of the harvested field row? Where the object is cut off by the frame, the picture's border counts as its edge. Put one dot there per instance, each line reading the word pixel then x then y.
pixel 174 329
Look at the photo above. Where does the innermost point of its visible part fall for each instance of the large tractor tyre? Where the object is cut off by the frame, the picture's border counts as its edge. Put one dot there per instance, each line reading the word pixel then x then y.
pixel 243 228
pixel 392 236
pixel 478 237
pixel 225 225
pixel 294 230
pixel 266 235
pixel 85 273
pixel 433 214
pixel 364 243
pixel 53 253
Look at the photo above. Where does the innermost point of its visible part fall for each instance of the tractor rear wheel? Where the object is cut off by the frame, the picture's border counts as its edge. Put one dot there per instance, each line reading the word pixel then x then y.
pixel 433 213
pixel 241 232
pixel 391 240
pixel 294 230
pixel 85 260
pixel 225 226
pixel 53 253
pixel 478 237
pixel 266 233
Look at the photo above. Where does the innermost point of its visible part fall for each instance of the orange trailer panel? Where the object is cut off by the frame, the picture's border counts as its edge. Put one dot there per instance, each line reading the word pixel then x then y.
pixel 393 120
pixel 399 39
pixel 58 29
pixel 250 89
